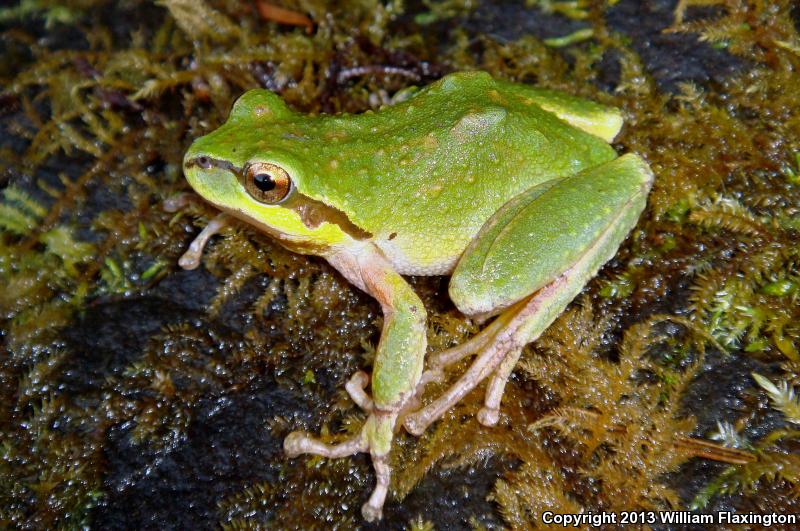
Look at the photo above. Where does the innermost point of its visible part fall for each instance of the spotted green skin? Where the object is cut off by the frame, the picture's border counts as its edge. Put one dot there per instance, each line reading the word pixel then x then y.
pixel 428 172
pixel 512 190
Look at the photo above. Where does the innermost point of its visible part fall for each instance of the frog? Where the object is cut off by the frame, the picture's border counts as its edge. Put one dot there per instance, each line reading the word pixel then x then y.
pixel 513 191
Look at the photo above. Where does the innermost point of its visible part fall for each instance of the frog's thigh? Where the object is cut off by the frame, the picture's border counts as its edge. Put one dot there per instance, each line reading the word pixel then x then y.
pixel 476 276
pixel 541 233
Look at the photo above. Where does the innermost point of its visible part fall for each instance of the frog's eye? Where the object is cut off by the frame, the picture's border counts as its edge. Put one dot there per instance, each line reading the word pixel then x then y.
pixel 266 182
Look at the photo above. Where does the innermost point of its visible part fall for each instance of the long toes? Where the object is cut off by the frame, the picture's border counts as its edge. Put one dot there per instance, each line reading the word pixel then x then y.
pixel 413 425
pixel 296 443
pixel 488 416
pixel 355 388
pixel 371 513
pixel 412 405
pixel 434 374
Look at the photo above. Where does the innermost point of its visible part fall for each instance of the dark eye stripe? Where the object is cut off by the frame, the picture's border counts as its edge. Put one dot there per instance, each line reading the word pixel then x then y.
pixel 207 163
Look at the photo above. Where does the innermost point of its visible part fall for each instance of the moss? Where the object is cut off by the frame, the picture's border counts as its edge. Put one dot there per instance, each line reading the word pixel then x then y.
pixel 117 364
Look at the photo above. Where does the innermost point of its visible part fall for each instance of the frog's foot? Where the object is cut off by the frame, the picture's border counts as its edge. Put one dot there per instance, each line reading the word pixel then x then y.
pixel 445 358
pixel 191 258
pixel 498 346
pixel 490 412
pixel 355 388
pixel 375 437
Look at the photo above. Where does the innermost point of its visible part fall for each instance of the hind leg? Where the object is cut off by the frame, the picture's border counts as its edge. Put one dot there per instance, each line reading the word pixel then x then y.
pixel 533 257
pixel 498 357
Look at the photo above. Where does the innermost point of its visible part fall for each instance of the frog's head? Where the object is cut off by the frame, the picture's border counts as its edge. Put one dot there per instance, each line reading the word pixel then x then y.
pixel 251 168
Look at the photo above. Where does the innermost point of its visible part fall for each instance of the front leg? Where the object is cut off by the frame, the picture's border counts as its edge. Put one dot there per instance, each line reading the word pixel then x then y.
pixel 395 374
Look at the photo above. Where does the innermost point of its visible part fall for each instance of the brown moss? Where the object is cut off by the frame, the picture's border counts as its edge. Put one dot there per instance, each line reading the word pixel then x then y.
pixel 593 418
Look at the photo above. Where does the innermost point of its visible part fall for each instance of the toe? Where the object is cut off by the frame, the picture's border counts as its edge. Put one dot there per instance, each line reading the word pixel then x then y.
pixel 488 416
pixel 294 443
pixel 413 426
pixel 371 513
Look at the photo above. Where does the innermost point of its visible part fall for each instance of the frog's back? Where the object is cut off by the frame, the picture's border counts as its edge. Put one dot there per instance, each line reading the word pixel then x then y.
pixel 423 176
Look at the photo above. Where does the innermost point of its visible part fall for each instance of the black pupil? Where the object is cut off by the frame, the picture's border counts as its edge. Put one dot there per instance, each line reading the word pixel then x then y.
pixel 264 182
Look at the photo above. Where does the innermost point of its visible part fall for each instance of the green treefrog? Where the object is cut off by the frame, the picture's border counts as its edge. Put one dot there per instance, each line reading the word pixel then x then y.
pixel 513 191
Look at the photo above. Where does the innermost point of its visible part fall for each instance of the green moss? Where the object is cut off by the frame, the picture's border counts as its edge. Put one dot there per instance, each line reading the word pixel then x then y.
pixel 102 128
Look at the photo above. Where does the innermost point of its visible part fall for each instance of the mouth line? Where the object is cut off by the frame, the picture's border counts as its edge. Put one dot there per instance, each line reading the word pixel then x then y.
pixel 312 212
